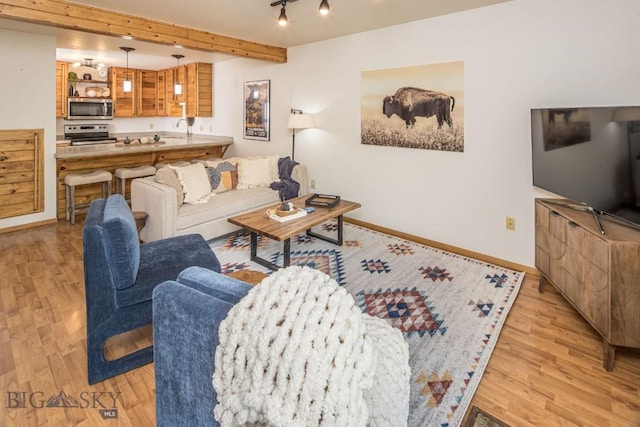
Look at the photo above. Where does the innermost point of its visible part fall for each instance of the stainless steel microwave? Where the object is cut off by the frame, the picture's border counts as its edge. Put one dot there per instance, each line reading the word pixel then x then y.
pixel 89 109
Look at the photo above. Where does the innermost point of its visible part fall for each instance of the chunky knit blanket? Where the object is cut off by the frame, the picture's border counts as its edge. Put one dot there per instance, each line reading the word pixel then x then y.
pixel 296 351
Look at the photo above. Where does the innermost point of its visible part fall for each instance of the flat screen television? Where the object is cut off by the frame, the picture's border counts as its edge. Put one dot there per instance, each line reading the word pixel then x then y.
pixel 591 156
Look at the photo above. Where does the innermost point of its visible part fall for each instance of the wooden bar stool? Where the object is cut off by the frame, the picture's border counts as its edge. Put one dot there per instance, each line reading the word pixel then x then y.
pixel 122 174
pixel 73 180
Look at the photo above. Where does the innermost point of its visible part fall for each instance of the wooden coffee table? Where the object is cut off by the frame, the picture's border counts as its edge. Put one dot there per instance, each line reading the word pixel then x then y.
pixel 257 222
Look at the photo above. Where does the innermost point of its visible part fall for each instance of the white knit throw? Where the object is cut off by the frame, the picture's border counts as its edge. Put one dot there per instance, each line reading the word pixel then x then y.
pixel 296 351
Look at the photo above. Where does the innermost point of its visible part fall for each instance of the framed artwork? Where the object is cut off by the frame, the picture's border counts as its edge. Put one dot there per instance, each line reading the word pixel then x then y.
pixel 414 107
pixel 256 110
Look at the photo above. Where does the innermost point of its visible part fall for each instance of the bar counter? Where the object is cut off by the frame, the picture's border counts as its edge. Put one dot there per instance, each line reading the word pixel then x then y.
pixel 109 157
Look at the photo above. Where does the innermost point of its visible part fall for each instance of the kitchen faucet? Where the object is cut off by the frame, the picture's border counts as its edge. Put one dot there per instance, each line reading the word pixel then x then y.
pixel 189 121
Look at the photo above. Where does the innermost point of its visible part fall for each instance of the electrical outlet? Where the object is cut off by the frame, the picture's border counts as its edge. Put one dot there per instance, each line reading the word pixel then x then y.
pixel 201 128
pixel 211 128
pixel 313 184
pixel 511 223
pixel 150 125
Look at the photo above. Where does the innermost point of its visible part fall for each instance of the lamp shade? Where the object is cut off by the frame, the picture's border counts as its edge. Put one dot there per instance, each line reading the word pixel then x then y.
pixel 626 114
pixel 300 121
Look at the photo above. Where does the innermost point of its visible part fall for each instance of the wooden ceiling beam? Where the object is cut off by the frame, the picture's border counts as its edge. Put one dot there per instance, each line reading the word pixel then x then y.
pixel 74 16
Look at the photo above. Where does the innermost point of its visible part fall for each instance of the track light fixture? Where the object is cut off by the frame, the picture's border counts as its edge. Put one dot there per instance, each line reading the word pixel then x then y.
pixel 126 85
pixel 88 62
pixel 324 7
pixel 282 18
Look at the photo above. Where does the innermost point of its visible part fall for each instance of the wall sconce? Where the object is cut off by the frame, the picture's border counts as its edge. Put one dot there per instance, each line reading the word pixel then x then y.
pixel 177 88
pixel 299 120
pixel 126 85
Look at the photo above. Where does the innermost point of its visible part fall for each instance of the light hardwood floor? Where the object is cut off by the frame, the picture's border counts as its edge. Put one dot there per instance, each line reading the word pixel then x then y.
pixel 546 369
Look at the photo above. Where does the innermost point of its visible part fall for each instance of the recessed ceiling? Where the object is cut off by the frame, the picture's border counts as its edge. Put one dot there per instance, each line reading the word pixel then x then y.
pixel 253 20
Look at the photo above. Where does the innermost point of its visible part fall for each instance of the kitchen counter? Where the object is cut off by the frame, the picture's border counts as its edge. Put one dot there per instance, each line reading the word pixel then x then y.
pixel 109 157
pixel 167 143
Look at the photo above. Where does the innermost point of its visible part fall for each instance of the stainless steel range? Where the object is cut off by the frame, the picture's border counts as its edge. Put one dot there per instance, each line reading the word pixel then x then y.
pixel 88 134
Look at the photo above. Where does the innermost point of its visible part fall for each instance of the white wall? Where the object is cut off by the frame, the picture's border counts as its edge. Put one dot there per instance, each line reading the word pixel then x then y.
pixel 28 88
pixel 517 56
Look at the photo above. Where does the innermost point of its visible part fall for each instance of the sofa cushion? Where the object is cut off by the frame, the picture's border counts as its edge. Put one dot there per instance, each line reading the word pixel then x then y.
pixel 122 241
pixel 195 183
pixel 224 205
pixel 167 176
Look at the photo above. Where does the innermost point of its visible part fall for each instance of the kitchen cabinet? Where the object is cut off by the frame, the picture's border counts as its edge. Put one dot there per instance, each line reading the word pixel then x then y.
pixel 61 89
pixel 161 92
pixel 199 90
pixel 21 172
pixel 147 93
pixel 598 274
pixel 142 100
pixel 173 75
pixel 124 103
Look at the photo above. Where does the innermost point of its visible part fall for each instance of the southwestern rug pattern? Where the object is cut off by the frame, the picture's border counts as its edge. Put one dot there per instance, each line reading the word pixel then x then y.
pixel 450 308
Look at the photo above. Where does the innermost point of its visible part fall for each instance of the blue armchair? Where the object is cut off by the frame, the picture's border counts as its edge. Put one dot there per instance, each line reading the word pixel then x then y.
pixel 186 316
pixel 120 275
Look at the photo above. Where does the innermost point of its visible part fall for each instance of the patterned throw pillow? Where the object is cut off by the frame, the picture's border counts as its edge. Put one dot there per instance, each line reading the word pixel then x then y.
pixel 223 176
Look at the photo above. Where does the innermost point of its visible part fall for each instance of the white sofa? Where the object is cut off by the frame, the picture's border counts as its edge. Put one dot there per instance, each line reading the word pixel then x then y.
pixel 166 218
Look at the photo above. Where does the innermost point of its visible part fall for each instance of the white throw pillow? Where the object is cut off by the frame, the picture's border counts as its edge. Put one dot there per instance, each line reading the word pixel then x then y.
pixel 195 183
pixel 256 172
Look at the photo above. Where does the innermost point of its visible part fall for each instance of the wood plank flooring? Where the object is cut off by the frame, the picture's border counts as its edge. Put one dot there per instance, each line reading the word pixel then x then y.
pixel 546 369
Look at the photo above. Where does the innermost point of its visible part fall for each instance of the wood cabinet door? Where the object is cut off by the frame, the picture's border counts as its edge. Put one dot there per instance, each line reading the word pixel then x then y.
pixel 21 172
pixel 172 75
pixel 161 92
pixel 124 104
pixel 61 89
pixel 199 90
pixel 147 93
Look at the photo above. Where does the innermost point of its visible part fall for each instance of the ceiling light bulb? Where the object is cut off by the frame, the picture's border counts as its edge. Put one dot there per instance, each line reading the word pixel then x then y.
pixel 126 86
pixel 324 7
pixel 177 89
pixel 76 64
pixel 282 19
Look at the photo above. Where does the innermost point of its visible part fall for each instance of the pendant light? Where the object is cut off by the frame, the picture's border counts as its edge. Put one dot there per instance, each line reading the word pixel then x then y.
pixel 177 88
pixel 324 7
pixel 126 85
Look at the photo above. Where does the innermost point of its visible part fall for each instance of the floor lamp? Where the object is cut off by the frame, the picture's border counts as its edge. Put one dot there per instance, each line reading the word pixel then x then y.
pixel 298 120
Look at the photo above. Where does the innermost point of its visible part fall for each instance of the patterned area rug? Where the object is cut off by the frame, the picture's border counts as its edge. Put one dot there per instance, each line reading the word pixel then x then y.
pixel 449 307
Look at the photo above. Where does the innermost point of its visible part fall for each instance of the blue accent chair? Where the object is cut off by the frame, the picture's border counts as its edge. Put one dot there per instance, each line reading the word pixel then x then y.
pixel 120 275
pixel 186 316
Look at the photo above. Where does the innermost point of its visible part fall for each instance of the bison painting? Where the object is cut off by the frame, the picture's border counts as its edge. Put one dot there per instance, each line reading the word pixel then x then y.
pixel 410 102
